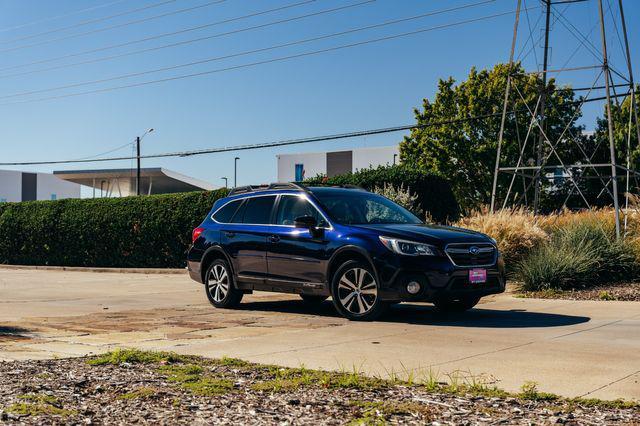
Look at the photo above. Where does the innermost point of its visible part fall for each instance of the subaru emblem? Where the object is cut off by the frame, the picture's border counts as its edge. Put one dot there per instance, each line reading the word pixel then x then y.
pixel 474 250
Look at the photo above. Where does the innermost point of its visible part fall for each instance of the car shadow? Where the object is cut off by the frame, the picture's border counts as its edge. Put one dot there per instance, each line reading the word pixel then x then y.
pixel 422 314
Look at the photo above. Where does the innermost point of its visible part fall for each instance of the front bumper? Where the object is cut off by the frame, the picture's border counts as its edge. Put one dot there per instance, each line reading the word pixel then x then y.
pixel 437 276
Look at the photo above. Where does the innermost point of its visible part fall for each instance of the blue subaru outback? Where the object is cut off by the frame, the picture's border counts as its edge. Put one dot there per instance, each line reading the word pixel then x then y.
pixel 360 248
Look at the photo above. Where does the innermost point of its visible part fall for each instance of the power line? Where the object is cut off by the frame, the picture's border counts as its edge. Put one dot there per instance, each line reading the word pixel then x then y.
pixel 244 53
pixel 54 18
pixel 88 22
pixel 145 39
pixel 185 42
pixel 267 61
pixel 299 141
pixel 112 27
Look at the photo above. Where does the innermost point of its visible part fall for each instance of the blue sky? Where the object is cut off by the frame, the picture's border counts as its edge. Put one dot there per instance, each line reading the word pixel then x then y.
pixel 370 86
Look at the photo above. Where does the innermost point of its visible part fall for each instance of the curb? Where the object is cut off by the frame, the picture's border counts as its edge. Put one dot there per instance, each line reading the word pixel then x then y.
pixel 173 271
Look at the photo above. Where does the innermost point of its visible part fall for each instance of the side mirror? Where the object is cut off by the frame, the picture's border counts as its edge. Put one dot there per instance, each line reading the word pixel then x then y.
pixel 307 222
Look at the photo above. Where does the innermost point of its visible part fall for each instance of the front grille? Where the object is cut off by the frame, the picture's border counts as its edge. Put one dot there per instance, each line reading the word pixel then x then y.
pixel 470 254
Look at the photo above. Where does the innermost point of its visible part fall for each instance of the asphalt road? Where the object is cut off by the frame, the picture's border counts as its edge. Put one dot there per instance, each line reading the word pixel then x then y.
pixel 573 348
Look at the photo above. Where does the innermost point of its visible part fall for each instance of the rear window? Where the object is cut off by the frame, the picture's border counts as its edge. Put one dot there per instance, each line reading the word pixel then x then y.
pixel 258 210
pixel 225 214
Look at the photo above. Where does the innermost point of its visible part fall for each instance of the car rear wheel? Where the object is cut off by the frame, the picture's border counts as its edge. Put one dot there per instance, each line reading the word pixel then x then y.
pixel 313 299
pixel 354 291
pixel 457 305
pixel 219 286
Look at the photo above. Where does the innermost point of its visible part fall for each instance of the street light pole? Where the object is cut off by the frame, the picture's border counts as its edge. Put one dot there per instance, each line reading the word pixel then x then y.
pixel 138 140
pixel 235 172
pixel 226 181
pixel 138 166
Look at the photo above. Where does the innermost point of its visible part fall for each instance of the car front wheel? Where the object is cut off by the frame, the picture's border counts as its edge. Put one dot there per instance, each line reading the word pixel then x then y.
pixel 355 294
pixel 219 286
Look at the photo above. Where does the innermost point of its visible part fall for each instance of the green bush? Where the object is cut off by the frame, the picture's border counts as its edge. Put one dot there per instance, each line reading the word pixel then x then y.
pixel 149 231
pixel 580 254
pixel 435 196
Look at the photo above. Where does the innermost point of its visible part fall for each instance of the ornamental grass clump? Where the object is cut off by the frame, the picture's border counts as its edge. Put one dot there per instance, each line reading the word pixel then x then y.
pixel 583 251
pixel 516 231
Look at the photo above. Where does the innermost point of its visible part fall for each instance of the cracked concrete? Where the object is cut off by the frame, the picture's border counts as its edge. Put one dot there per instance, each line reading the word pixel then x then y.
pixel 573 348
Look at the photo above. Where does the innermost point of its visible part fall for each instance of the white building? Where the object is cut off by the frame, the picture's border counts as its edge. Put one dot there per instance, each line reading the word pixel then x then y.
pixel 297 167
pixel 122 182
pixel 22 186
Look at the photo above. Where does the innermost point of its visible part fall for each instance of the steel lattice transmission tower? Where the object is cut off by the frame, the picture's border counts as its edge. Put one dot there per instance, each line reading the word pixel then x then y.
pixel 531 175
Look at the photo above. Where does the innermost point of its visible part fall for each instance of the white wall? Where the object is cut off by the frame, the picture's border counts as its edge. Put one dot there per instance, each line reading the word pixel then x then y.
pixel 49 184
pixel 314 164
pixel 10 185
pixel 363 158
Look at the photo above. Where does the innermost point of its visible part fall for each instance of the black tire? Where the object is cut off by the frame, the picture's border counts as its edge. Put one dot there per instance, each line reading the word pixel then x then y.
pixel 219 286
pixel 355 296
pixel 458 305
pixel 313 299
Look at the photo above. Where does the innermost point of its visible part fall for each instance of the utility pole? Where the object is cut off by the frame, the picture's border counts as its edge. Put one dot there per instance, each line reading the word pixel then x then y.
pixel 543 95
pixel 138 167
pixel 504 108
pixel 226 181
pixel 612 150
pixel 235 172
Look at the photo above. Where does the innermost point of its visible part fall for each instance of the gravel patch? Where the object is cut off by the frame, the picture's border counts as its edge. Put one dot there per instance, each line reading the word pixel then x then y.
pixel 189 390
pixel 621 291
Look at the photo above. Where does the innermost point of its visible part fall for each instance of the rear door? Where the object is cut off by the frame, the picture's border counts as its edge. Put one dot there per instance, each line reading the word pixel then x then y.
pixel 245 237
pixel 293 254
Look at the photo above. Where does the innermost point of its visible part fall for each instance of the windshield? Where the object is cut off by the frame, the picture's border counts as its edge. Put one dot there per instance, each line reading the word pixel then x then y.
pixel 363 208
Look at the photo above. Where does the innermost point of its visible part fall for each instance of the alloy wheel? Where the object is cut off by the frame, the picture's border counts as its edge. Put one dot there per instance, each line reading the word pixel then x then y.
pixel 357 291
pixel 218 283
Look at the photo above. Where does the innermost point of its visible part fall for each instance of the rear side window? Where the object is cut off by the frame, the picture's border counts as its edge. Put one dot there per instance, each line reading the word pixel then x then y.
pixel 225 214
pixel 258 210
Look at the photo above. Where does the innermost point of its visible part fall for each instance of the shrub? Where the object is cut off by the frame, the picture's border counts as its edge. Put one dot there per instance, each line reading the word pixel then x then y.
pixel 402 196
pixel 435 196
pixel 516 231
pixel 583 252
pixel 148 231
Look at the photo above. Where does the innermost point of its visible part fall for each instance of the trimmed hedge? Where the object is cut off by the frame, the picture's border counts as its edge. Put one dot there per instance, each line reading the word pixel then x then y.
pixel 145 232
pixel 435 195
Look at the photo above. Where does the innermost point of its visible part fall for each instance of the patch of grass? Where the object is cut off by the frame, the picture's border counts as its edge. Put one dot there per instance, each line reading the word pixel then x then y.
pixel 39 405
pixel 616 403
pixel 232 362
pixel 191 378
pixel 135 356
pixel 379 412
pixel 140 393
pixel 605 295
pixel 286 379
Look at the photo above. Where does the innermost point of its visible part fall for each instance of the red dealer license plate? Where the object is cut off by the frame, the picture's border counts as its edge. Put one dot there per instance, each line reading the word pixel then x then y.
pixel 477 276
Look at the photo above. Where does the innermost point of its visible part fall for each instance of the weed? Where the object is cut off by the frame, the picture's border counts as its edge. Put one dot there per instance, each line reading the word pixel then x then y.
pixel 190 377
pixel 605 295
pixel 232 362
pixel 529 391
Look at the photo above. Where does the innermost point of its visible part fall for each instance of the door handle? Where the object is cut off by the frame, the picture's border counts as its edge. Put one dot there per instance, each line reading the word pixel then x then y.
pixel 229 234
pixel 274 238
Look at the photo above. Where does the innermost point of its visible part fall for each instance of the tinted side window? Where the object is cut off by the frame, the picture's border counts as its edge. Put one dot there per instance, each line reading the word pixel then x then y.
pixel 292 207
pixel 225 214
pixel 258 210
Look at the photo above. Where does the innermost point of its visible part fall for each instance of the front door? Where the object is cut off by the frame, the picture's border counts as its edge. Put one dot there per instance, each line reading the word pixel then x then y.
pixel 295 256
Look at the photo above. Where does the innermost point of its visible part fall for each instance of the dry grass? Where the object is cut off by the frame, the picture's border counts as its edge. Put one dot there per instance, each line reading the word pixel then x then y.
pixel 517 231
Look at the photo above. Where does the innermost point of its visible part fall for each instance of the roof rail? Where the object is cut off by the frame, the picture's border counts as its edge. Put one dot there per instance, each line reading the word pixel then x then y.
pixel 266 187
pixel 345 186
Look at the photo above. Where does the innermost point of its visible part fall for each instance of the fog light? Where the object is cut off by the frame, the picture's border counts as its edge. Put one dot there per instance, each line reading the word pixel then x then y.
pixel 413 287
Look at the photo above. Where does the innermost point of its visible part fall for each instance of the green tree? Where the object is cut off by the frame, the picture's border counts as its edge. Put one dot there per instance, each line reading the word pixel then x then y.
pixel 464 151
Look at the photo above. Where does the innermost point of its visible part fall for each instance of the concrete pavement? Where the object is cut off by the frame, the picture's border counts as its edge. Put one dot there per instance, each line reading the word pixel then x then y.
pixel 573 348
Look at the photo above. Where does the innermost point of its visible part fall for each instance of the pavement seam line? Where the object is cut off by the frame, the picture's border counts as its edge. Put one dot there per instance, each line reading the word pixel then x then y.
pixel 609 384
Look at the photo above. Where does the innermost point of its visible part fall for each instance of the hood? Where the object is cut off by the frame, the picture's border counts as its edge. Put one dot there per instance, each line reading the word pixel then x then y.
pixel 431 234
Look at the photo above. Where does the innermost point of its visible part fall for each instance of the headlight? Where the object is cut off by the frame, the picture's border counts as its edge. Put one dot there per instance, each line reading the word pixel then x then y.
pixel 409 248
